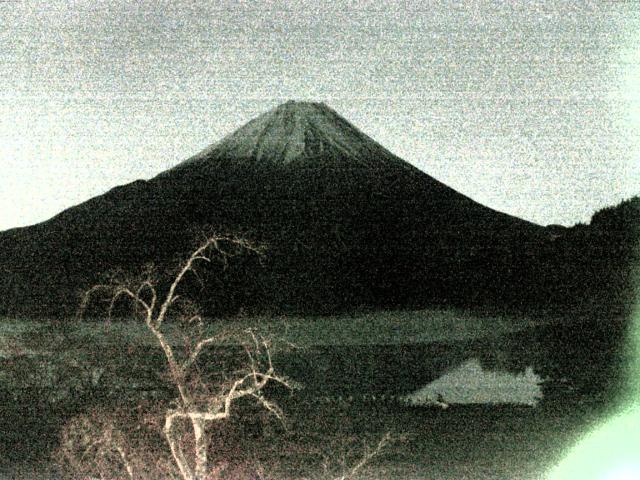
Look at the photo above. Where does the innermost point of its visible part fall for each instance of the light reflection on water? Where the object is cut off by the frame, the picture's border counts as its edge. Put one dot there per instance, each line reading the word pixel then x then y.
pixel 470 383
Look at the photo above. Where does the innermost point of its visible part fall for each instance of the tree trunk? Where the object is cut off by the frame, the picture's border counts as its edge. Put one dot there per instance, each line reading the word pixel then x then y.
pixel 200 437
pixel 176 450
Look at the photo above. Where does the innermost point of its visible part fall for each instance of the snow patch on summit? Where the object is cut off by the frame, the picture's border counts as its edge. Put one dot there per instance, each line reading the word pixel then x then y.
pixel 297 133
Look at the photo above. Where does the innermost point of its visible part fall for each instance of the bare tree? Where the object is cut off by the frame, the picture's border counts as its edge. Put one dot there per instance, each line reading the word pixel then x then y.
pixel 109 445
pixel 367 456
pixel 349 465
pixel 199 401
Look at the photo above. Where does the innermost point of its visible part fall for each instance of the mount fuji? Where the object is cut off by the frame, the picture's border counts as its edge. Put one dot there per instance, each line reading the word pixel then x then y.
pixel 347 224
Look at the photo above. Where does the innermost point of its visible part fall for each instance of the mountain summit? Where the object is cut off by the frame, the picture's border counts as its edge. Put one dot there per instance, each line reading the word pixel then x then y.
pixel 299 134
pixel 347 225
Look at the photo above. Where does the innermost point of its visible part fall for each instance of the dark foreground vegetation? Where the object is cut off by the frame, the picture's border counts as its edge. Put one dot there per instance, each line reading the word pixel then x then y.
pixel 349 401
pixel 323 441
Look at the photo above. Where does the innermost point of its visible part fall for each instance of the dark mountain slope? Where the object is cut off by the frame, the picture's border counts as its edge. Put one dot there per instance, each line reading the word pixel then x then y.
pixel 591 267
pixel 347 223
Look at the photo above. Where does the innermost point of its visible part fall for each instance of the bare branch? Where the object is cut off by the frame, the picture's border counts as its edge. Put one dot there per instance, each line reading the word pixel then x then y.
pixel 270 407
pixel 121 291
pixel 125 461
pixel 200 255
pixel 88 295
pixel 197 350
pixel 366 458
pixel 148 285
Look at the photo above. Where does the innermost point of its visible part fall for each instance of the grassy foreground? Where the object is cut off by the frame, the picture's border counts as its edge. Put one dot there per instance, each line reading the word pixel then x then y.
pixel 474 442
pixel 50 373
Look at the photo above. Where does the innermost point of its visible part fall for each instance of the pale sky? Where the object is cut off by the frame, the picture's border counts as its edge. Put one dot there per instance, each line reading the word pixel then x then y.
pixel 532 108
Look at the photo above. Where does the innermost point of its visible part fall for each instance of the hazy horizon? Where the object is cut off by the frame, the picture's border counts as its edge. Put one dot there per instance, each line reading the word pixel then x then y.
pixel 529 109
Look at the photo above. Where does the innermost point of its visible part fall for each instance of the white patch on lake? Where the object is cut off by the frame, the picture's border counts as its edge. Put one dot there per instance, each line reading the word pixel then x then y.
pixel 470 383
